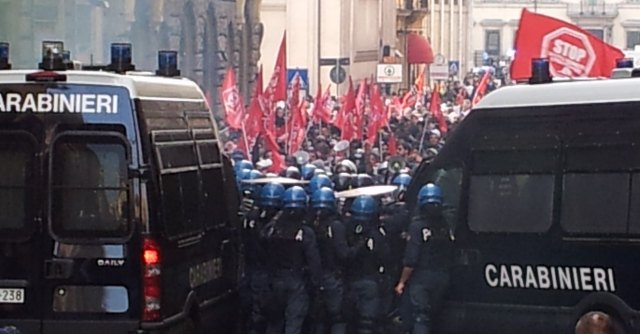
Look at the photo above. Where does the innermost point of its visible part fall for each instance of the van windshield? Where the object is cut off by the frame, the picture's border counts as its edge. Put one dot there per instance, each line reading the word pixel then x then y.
pixel 89 187
pixel 16 175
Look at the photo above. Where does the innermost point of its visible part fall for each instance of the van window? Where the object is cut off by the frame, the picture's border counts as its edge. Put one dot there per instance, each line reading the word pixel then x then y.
pixel 595 203
pixel 89 187
pixel 512 190
pixel 179 181
pixel 598 187
pixel 16 177
pixel 517 203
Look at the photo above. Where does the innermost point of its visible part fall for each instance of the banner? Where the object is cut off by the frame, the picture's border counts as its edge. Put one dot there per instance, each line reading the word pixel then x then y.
pixel 572 51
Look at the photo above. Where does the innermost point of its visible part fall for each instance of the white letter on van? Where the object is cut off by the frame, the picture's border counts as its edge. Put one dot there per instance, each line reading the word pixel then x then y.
pixel 489 275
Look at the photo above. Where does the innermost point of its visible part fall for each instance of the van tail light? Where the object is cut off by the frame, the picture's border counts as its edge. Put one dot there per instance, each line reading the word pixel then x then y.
pixel 151 280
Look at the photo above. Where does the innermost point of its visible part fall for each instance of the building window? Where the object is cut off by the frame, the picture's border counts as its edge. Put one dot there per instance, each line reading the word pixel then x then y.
pixel 633 39
pixel 492 42
pixel 596 32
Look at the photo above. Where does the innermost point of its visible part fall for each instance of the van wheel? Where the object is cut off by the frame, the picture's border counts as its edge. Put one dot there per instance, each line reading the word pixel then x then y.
pixel 601 321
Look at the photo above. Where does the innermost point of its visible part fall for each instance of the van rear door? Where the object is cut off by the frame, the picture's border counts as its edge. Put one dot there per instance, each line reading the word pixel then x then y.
pixel 20 291
pixel 91 259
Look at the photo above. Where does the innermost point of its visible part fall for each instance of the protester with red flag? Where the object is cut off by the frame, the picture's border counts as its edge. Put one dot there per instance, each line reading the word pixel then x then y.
pixel 376 118
pixel 392 146
pixel 360 110
pixel 436 111
pixel 254 124
pixel 232 101
pixel 481 88
pixel 571 50
pixel 297 121
pixel 321 112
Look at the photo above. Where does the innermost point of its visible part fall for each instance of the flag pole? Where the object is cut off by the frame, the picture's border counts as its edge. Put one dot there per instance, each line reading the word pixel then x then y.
pixel 246 143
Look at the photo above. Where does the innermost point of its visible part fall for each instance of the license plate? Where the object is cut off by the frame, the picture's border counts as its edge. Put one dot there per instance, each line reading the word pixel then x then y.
pixel 11 296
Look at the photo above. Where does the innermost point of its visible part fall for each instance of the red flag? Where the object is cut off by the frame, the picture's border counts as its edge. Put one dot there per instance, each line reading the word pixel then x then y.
pixel 277 158
pixel 359 114
pixel 297 121
pixel 481 89
pixel 392 146
pixel 409 100
pixel 276 90
pixel 232 101
pixel 321 112
pixel 254 123
pixel 436 111
pixel 572 51
pixel 376 119
pixel 346 107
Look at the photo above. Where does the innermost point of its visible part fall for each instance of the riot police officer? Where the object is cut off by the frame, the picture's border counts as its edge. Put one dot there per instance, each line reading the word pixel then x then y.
pixel 427 259
pixel 368 264
pixel 291 172
pixel 290 249
pixel 333 246
pixel 317 182
pixel 255 279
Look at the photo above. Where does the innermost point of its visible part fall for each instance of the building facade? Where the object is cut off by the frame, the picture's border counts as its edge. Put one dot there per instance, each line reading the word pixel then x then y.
pixel 445 24
pixel 321 34
pixel 210 35
pixel 495 23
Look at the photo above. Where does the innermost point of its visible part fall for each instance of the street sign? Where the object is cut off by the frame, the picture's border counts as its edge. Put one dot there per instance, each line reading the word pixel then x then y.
pixel 439 59
pixel 338 75
pixel 389 73
pixel 454 67
pixel 303 73
pixel 334 61
pixel 439 72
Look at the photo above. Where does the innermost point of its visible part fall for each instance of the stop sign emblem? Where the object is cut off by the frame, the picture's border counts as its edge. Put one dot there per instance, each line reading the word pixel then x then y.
pixel 570 53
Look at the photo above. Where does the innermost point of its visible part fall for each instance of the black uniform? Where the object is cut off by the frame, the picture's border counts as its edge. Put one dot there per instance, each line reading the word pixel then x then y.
pixel 334 251
pixel 255 283
pixel 364 271
pixel 291 249
pixel 429 252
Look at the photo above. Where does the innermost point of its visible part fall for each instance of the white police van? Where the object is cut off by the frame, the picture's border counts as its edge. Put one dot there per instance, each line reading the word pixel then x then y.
pixel 117 208
pixel 542 186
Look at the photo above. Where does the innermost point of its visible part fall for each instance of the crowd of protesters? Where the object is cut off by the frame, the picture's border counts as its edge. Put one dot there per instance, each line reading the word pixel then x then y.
pixel 412 132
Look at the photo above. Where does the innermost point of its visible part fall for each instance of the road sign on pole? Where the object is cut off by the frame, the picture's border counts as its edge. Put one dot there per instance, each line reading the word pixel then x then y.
pixel 303 73
pixel 454 67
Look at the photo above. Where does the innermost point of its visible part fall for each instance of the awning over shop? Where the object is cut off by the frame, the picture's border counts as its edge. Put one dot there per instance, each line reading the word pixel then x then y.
pixel 418 49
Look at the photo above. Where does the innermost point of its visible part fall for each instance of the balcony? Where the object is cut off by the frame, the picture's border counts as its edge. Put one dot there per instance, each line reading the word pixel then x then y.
pixel 592 8
pixel 412 7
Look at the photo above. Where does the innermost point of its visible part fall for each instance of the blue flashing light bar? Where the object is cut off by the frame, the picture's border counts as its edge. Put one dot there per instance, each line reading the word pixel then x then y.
pixel 540 72
pixel 624 63
pixel 121 57
pixel 168 63
pixel 52 56
pixel 4 56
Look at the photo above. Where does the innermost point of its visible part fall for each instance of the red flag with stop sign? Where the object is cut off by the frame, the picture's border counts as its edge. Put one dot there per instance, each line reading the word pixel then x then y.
pixel 572 51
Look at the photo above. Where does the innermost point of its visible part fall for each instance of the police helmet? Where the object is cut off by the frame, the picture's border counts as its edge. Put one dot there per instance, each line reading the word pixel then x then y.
pixel 362 180
pixel 342 181
pixel 252 187
pixel 294 198
pixel 242 174
pixel 271 195
pixel 364 207
pixel 346 166
pixel 429 193
pixel 323 198
pixel 319 171
pixel 307 171
pixel 402 180
pixel 291 172
pixel 237 156
pixel 318 182
pixel 243 164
